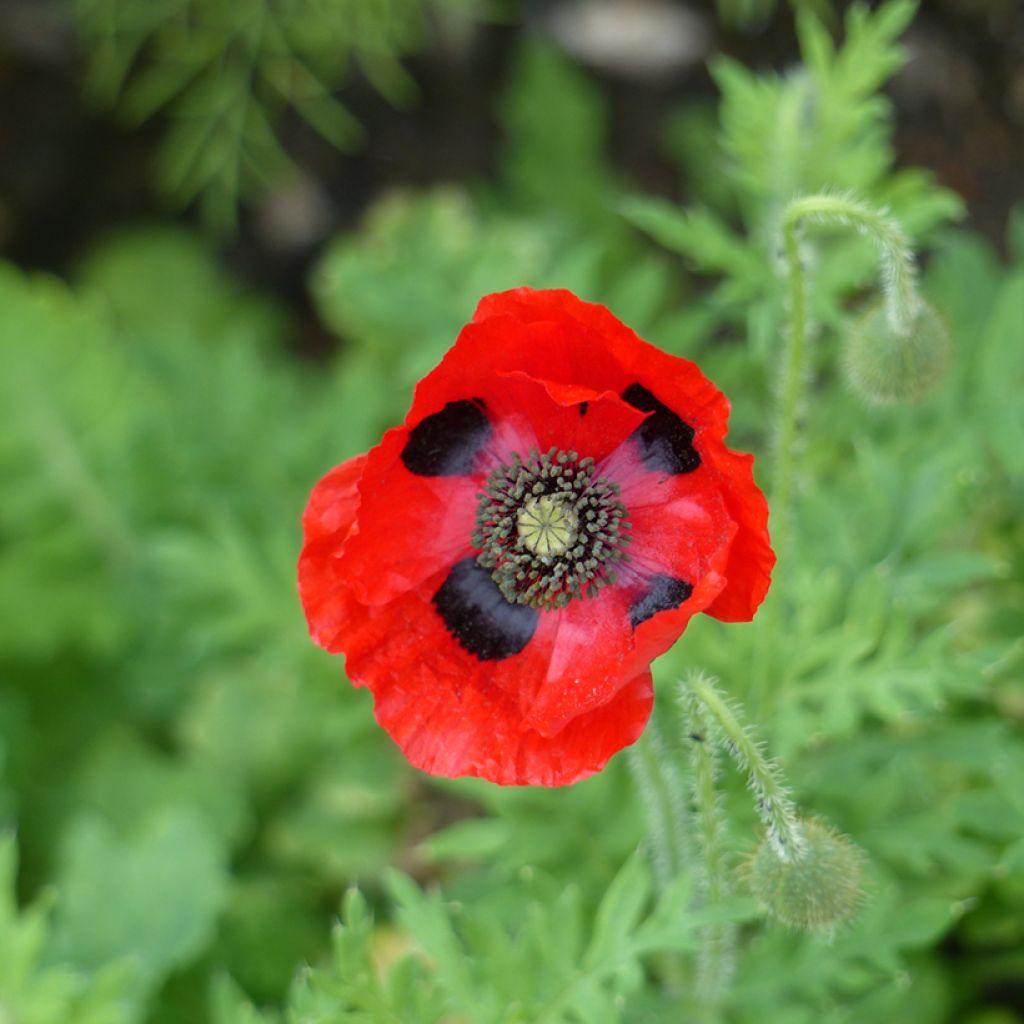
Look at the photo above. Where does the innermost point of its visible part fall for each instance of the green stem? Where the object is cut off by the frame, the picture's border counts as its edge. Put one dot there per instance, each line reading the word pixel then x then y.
pixel 716 959
pixel 895 254
pixel 764 778
pixel 794 375
pixel 787 418
pixel 898 280
pixel 661 789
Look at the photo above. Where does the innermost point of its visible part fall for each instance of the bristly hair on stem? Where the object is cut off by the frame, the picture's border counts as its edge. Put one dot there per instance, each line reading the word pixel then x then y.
pixel 772 799
pixel 903 314
pixel 716 958
pixel 897 263
pixel 663 792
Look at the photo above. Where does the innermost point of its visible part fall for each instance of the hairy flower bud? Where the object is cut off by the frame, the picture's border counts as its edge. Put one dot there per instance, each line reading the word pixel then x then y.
pixel 885 366
pixel 817 891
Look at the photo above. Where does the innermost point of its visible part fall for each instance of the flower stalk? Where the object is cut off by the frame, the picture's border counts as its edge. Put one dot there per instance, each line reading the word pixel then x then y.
pixel 903 307
pixel 804 873
pixel 774 806
pixel 898 267
pixel 716 960
pixel 662 791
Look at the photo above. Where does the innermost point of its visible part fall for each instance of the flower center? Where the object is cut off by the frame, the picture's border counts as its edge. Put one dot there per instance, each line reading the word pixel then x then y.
pixel 547 526
pixel 550 529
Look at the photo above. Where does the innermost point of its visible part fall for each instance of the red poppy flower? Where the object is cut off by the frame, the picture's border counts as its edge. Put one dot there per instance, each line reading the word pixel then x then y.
pixel 502 568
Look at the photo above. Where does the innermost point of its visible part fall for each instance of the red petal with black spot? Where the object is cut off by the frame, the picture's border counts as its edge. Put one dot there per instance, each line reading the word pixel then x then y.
pixel 502 568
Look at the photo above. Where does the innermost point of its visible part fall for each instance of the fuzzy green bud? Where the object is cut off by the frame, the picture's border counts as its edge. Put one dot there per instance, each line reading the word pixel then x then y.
pixel 817 891
pixel 884 365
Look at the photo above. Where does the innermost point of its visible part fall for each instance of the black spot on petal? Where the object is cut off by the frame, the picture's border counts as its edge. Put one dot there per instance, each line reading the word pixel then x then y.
pixel 664 592
pixel 583 407
pixel 446 442
pixel 665 439
pixel 476 613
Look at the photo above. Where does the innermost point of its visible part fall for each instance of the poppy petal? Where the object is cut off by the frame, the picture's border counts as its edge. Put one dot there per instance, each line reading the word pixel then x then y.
pixel 466 677
pixel 455 714
pixel 580 675
pixel 328 522
pixel 477 614
pixel 485 738
pixel 417 522
pixel 751 559
pixel 607 355
pixel 566 417
pixel 447 442
pixel 410 525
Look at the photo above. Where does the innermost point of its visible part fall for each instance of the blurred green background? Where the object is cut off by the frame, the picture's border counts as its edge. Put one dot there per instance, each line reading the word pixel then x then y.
pixel 236 233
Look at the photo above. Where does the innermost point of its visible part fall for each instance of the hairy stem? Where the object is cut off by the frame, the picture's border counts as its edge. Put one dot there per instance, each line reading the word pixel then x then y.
pixel 794 375
pixel 898 274
pixel 895 255
pixel 764 778
pixel 716 959
pixel 787 418
pixel 662 791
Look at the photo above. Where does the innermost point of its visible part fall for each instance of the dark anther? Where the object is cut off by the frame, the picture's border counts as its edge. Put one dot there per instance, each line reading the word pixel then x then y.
pixel 583 407
pixel 665 592
pixel 550 529
pixel 447 442
pixel 478 616
pixel 666 441
pixel 696 737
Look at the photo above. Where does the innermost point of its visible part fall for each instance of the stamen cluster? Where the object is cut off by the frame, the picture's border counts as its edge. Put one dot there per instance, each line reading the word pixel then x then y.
pixel 550 529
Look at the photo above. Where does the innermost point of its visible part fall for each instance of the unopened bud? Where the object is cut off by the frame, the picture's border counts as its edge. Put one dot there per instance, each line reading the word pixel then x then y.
pixel 884 366
pixel 817 891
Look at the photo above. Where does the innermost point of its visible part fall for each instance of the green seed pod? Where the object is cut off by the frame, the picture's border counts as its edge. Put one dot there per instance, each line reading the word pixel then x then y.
pixel 817 891
pixel 884 366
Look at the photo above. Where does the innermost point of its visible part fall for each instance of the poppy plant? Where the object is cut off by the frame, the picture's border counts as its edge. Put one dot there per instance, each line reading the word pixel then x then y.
pixel 502 568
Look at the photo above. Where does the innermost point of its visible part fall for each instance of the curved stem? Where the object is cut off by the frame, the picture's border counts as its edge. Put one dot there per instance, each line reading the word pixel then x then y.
pixel 902 303
pixel 764 778
pixel 896 256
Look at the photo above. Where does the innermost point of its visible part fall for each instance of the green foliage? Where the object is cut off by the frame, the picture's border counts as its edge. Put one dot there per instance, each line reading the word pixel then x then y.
pixel 821 127
pixel 36 987
pixel 351 987
pixel 746 14
pixel 555 962
pixel 151 899
pixel 63 408
pixel 400 290
pixel 398 324
pixel 225 73
pixel 200 787
pixel 555 137
pixel 151 733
